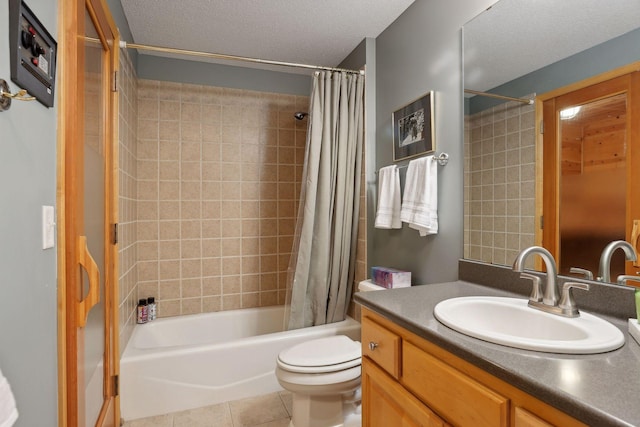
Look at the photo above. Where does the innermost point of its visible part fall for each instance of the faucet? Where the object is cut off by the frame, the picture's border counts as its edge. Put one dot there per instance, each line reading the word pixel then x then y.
pixel 604 269
pixel 548 300
pixel 624 278
pixel 550 295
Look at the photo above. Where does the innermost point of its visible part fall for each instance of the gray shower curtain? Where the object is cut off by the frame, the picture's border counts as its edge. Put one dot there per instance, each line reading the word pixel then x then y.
pixel 322 264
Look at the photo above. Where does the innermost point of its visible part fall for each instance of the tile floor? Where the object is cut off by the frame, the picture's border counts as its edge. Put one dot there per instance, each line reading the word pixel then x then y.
pixel 270 410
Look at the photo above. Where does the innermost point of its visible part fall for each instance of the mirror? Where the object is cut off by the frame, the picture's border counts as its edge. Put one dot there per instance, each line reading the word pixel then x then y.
pixel 520 48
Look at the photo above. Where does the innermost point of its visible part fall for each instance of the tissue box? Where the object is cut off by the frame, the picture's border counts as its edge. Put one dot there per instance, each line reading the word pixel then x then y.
pixel 390 277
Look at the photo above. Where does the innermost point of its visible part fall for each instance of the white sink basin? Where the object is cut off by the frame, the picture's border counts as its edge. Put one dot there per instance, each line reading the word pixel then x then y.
pixel 511 322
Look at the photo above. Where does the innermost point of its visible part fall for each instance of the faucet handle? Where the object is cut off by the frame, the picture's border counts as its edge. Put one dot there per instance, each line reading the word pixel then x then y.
pixel 586 273
pixel 624 278
pixel 536 291
pixel 567 304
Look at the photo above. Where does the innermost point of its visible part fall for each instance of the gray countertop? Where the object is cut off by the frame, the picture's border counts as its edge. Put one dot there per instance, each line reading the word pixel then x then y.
pixel 599 390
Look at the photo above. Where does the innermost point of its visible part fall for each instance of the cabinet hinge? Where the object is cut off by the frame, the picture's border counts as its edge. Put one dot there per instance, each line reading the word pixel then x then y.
pixel 116 385
pixel 115 234
pixel 541 222
pixel 541 126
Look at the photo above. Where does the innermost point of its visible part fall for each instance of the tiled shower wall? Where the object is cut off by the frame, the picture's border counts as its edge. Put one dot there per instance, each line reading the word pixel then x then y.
pixel 499 182
pixel 218 181
pixel 247 175
pixel 127 204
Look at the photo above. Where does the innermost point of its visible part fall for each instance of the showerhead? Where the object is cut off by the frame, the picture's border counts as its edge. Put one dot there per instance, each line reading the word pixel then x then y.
pixel 300 115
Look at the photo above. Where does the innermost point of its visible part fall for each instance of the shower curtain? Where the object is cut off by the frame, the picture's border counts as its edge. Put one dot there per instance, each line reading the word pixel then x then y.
pixel 322 264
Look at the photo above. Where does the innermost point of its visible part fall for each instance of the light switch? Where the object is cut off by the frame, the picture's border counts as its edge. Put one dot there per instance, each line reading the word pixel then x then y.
pixel 48 227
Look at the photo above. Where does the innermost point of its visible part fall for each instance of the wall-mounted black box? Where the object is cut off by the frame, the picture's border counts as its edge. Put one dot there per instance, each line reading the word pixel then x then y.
pixel 33 53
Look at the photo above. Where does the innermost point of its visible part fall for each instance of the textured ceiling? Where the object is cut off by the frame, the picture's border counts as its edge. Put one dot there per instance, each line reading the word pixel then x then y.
pixel 515 37
pixel 317 32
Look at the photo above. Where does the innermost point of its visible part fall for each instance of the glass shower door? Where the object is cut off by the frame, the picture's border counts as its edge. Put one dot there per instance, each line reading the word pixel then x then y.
pixel 94 221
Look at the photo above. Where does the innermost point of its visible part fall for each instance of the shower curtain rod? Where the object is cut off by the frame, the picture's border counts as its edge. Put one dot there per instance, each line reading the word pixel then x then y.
pixel 127 45
pixel 493 95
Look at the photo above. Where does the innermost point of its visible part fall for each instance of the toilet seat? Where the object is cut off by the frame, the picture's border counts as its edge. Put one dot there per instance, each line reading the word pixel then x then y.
pixel 322 355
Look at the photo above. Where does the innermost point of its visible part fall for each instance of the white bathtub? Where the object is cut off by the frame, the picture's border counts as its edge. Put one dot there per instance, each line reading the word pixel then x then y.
pixel 191 361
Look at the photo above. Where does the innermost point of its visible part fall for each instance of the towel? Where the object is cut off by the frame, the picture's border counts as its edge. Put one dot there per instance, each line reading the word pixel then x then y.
pixel 420 198
pixel 388 212
pixel 8 411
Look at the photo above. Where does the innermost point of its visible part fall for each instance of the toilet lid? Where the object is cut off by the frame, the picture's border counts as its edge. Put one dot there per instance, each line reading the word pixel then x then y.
pixel 321 352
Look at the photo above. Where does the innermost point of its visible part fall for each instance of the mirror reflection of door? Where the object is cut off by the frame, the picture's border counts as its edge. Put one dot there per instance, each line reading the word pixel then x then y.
pixel 88 391
pixel 589 198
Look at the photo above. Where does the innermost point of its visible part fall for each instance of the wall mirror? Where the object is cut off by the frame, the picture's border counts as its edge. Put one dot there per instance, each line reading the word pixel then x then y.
pixel 520 49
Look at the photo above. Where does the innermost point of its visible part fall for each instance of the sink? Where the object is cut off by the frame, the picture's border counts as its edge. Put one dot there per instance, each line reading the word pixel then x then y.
pixel 511 322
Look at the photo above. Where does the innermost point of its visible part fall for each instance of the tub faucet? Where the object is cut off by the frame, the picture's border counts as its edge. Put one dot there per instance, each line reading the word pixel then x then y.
pixel 550 295
pixel 604 269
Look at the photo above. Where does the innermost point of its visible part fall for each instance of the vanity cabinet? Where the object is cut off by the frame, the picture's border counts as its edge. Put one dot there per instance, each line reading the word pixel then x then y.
pixel 408 381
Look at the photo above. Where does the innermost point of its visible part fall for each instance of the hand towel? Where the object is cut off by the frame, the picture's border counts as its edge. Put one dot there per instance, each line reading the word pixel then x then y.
pixel 420 198
pixel 388 212
pixel 8 410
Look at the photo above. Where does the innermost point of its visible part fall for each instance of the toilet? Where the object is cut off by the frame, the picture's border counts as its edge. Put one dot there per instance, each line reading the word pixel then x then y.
pixel 323 376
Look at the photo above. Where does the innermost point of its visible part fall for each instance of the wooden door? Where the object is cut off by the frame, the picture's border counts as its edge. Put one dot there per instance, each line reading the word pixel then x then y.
pixel 591 155
pixel 88 351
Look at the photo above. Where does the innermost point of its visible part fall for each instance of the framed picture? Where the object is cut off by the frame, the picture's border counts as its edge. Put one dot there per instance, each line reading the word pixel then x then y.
pixel 413 127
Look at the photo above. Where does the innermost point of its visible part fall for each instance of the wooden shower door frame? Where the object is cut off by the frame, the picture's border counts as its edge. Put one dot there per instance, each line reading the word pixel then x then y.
pixel 71 17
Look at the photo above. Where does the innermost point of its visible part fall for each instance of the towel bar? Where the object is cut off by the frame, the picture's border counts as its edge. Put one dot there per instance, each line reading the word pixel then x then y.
pixel 442 158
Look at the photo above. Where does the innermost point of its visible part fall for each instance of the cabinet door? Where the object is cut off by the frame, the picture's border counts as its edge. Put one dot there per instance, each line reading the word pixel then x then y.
pixel 386 403
pixel 524 418
pixel 463 400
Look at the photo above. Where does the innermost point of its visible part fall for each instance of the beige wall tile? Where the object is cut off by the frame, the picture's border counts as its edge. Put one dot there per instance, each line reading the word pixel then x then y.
pixel 169 289
pixel 212 286
pixel 219 174
pixel 191 305
pixel 504 184
pixel 231 302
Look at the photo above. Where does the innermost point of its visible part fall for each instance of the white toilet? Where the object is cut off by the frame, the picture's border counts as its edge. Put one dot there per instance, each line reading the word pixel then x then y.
pixel 323 376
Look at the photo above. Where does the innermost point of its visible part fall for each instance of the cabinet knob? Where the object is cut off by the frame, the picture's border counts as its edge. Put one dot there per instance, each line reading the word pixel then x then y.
pixel 372 345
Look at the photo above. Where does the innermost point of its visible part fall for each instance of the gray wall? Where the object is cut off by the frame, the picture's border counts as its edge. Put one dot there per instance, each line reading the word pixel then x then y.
pixel 204 73
pixel 28 310
pixel 419 52
pixel 606 56
pixel 183 70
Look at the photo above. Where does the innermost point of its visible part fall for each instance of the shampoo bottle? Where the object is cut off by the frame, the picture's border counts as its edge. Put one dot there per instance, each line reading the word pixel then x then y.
pixel 151 309
pixel 143 315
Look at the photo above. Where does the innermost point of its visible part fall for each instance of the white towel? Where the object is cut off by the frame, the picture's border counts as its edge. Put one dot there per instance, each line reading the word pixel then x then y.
pixel 8 411
pixel 420 198
pixel 388 212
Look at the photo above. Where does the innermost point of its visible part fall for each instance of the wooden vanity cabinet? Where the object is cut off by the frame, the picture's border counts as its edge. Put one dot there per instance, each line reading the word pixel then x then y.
pixel 408 381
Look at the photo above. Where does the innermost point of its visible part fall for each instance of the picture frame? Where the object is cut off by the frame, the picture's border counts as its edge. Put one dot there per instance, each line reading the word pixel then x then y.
pixel 413 128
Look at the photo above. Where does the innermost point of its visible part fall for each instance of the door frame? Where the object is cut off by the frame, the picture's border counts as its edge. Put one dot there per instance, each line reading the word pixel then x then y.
pixel 548 170
pixel 70 138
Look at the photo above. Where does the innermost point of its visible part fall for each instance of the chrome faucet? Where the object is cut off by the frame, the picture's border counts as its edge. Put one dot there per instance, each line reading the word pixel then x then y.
pixel 548 300
pixel 604 269
pixel 550 295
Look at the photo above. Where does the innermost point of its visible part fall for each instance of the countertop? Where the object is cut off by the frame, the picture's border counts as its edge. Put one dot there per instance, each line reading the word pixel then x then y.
pixel 600 389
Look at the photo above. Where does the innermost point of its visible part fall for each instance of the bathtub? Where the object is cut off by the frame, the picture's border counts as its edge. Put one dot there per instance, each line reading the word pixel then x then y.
pixel 185 362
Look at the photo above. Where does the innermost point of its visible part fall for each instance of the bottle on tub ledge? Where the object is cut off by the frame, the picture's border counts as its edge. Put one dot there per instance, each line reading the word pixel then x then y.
pixel 143 313
pixel 152 311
